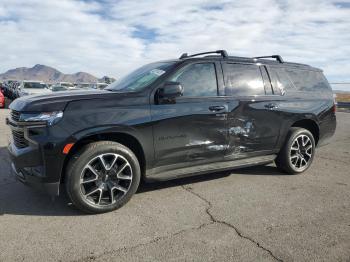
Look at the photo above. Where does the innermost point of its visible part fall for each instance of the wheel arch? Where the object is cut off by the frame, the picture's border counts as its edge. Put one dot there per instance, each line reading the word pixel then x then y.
pixel 310 125
pixel 121 137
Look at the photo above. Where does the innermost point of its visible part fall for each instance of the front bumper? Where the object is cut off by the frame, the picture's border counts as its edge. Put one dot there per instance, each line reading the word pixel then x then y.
pixel 26 178
pixel 38 162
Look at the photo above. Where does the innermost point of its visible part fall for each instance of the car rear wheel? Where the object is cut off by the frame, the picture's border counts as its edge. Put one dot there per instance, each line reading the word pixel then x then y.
pixel 102 177
pixel 298 152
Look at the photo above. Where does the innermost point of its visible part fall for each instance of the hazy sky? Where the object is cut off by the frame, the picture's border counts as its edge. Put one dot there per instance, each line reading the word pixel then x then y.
pixel 113 37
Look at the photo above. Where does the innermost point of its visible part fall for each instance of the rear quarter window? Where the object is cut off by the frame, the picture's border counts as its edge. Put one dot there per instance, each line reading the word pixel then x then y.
pixel 281 82
pixel 308 80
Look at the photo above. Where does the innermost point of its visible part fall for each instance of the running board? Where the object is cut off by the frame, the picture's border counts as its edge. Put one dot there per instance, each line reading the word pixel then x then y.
pixel 208 168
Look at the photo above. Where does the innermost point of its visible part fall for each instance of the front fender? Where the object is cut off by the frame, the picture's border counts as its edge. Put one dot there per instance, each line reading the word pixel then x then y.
pixel 105 129
pixel 144 138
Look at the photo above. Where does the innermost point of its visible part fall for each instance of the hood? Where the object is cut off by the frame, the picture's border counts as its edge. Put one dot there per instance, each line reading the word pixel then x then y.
pixel 54 101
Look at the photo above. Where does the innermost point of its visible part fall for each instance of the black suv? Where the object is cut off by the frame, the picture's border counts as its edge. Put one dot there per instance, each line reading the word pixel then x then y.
pixel 196 114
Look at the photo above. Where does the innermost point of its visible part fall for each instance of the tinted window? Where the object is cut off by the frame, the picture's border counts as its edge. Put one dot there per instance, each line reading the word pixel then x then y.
pixel 280 81
pixel 243 80
pixel 197 79
pixel 306 80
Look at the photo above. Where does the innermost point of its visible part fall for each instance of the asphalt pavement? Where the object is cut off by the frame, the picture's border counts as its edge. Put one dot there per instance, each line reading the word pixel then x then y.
pixel 251 214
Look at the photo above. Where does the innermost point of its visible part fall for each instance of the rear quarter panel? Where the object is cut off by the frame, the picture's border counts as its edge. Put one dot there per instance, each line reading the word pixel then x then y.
pixel 317 107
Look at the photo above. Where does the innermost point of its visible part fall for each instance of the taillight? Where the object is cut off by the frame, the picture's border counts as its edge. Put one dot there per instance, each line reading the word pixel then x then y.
pixel 334 103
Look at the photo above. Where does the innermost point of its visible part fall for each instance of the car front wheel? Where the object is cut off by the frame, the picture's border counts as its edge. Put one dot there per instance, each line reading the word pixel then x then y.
pixel 102 177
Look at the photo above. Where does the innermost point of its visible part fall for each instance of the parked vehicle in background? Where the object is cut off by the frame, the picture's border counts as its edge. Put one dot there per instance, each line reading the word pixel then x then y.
pixel 32 88
pixel 11 89
pixel 171 119
pixel 5 89
pixel 66 85
pixel 2 100
pixel 2 89
pixel 85 85
pixel 99 85
pixel 56 88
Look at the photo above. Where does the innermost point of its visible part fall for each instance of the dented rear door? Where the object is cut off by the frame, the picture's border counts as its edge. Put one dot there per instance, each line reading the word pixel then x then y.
pixel 253 121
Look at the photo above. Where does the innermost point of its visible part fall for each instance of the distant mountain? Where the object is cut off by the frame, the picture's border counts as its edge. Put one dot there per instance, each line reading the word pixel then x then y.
pixel 48 75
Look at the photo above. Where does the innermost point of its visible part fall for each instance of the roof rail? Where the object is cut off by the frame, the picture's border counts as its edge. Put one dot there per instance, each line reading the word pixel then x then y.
pixel 277 57
pixel 223 53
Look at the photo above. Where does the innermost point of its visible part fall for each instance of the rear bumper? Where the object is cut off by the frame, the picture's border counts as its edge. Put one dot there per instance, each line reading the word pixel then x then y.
pixel 327 130
pixel 29 179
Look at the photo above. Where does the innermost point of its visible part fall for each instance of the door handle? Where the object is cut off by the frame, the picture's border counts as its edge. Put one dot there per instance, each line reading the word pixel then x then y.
pixel 271 106
pixel 216 108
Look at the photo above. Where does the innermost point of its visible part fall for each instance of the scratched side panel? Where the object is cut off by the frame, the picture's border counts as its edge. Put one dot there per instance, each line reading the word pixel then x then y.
pixel 252 128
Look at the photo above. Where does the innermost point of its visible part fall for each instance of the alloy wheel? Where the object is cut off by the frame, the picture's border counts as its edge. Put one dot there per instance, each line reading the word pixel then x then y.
pixel 301 152
pixel 105 179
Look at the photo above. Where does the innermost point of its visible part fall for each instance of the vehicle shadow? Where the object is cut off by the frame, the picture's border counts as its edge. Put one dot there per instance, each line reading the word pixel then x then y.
pixel 18 199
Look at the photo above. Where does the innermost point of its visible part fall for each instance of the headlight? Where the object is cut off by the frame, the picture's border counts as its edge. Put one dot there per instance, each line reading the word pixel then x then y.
pixel 50 118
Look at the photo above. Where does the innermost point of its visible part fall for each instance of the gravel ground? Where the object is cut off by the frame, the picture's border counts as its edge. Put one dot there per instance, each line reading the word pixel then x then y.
pixel 252 214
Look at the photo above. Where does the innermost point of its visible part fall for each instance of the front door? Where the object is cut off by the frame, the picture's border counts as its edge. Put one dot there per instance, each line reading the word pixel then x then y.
pixel 191 131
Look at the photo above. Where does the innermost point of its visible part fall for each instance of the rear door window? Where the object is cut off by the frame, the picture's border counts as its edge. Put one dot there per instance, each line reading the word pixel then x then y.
pixel 242 80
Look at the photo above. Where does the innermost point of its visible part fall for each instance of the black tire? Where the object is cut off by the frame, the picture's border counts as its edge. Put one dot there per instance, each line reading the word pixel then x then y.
pixel 77 166
pixel 288 158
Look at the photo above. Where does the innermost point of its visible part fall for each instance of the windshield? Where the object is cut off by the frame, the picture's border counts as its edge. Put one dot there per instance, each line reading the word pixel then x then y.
pixel 35 85
pixel 141 77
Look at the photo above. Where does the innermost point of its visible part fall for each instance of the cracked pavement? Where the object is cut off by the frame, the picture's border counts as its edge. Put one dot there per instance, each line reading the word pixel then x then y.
pixel 251 214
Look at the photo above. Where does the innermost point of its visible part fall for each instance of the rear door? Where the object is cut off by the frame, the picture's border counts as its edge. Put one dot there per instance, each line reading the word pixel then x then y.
pixel 253 119
pixel 191 131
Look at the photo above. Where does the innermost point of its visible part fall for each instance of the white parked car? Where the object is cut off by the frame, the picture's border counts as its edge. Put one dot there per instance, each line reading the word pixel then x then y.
pixel 66 85
pixel 84 85
pixel 99 85
pixel 32 88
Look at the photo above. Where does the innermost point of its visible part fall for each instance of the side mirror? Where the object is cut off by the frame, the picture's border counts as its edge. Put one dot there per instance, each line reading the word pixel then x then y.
pixel 170 91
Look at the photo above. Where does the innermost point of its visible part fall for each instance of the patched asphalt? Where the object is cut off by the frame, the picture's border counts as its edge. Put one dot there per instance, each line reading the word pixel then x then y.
pixel 251 214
